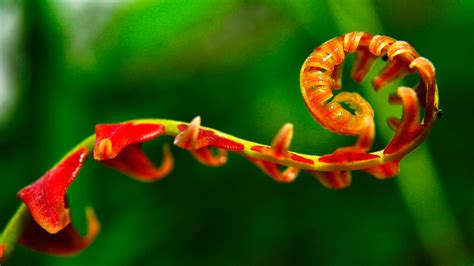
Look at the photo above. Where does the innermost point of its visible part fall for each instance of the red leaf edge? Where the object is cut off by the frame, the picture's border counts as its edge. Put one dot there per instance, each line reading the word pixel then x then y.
pixel 66 242
pixel 45 198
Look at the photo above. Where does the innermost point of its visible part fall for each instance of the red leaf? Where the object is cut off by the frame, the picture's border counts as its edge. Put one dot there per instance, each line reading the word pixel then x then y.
pixel 335 179
pixel 206 156
pixel 45 198
pixel 119 146
pixel 66 242
pixel 384 171
pixel 282 140
pixel 192 140
pixel 409 127
pixel 112 138
pixel 393 71
pixel 198 141
pixel 272 169
pixel 364 60
pixel 280 144
pixel 133 162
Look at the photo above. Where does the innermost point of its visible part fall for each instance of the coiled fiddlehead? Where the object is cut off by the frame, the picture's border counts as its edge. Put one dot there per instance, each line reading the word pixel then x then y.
pixel 119 145
pixel 321 74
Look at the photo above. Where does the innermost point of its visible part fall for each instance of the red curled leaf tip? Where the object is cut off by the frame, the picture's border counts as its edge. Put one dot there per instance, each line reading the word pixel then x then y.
pixel 402 50
pixel 206 156
pixel 334 180
pixel 112 138
pixel 119 146
pixel 393 123
pixel 364 60
pixel 384 171
pixel 45 198
pixel 272 169
pixel 393 98
pixel 132 162
pixel 66 242
pixel 282 140
pixel 208 137
pixel 279 149
pixel 187 139
pixel 351 41
pixel 379 44
pixel 280 144
pixel 199 142
pixel 409 126
pixel 426 90
pixel 393 71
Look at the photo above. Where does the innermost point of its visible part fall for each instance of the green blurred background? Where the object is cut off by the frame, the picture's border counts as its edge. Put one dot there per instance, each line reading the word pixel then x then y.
pixel 68 65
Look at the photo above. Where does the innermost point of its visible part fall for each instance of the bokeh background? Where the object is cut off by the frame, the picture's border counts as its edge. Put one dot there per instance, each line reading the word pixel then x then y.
pixel 68 65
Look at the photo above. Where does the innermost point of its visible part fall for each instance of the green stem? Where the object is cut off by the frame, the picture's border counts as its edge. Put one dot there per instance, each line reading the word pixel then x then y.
pixel 14 229
pixel 422 193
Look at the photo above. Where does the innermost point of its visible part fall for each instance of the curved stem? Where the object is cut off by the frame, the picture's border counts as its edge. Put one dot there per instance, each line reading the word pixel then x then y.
pixel 14 229
pixel 171 129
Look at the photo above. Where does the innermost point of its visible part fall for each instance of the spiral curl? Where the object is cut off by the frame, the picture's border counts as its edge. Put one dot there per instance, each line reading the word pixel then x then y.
pixel 321 75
